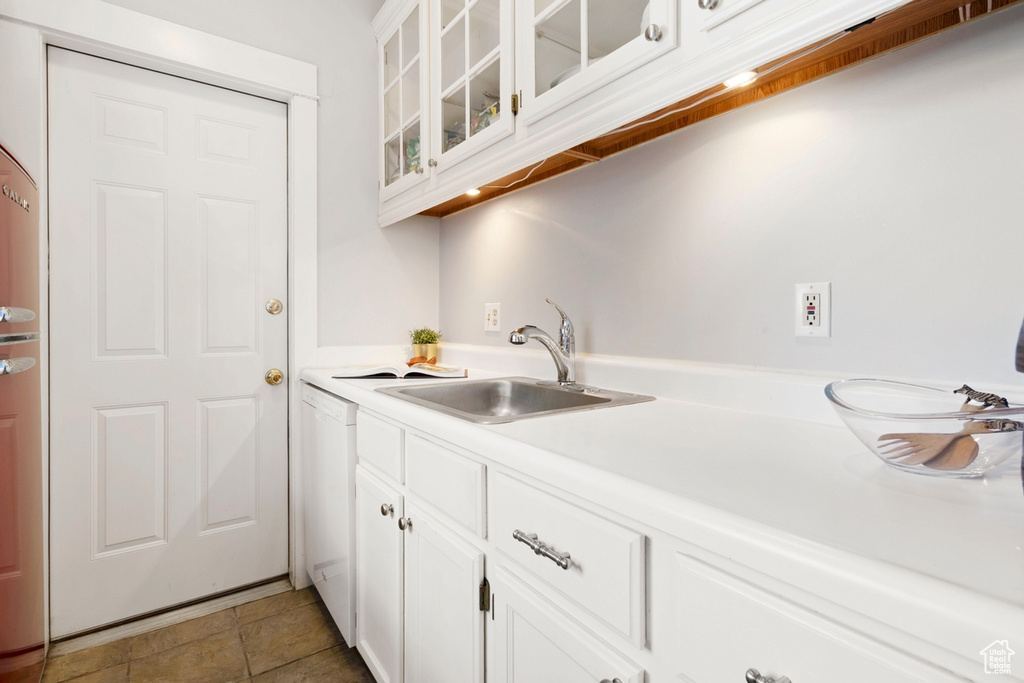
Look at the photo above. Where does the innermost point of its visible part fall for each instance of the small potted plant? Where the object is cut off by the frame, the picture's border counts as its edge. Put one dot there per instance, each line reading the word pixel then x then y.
pixel 424 345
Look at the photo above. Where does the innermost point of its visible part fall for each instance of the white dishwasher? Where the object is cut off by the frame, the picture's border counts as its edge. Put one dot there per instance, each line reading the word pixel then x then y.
pixel 329 490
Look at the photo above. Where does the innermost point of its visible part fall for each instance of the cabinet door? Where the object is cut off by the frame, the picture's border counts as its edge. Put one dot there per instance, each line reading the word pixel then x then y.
pixel 531 640
pixel 403 106
pixel 568 48
pixel 471 76
pixel 722 24
pixel 379 559
pixel 444 627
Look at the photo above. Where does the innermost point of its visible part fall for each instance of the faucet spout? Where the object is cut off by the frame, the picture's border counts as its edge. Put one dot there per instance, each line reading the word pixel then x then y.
pixel 563 351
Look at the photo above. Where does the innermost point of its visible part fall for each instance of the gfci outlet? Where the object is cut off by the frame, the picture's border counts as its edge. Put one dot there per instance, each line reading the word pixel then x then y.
pixel 814 309
pixel 492 317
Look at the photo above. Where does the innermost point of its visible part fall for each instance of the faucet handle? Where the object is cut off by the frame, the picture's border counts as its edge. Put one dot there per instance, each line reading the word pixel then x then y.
pixel 566 329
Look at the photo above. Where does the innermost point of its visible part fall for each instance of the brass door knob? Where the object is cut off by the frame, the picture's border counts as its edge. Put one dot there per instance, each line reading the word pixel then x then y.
pixel 274 307
pixel 274 377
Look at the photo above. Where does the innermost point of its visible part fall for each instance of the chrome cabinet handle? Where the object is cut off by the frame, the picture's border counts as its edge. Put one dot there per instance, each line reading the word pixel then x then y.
pixel 563 560
pixel 419 170
pixel 707 4
pixel 11 366
pixel 653 33
pixel 405 523
pixel 386 509
pixel 10 314
pixel 432 163
pixel 754 676
pixel 612 680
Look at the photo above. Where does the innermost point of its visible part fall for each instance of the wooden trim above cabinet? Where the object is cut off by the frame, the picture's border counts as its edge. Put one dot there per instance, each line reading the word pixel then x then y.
pixel 903 26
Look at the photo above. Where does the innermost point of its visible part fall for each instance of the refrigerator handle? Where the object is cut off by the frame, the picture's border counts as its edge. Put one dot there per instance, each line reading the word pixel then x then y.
pixel 10 314
pixel 10 366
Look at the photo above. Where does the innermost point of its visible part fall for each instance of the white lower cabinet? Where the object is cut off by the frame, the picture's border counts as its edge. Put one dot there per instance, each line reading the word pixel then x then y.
pixel 727 625
pixel 578 593
pixel 419 617
pixel 532 641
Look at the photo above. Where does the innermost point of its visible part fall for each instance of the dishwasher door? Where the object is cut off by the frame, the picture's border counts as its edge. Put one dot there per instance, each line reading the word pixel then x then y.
pixel 329 471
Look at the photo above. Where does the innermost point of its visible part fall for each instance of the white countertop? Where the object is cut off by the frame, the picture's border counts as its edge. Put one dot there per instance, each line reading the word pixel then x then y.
pixel 811 486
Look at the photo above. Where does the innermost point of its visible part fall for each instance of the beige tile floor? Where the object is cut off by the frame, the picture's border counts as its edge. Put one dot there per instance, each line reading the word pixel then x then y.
pixel 283 638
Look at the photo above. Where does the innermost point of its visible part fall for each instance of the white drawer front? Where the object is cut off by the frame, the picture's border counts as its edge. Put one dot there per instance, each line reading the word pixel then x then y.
pixel 606 574
pixel 727 626
pixel 379 444
pixel 450 482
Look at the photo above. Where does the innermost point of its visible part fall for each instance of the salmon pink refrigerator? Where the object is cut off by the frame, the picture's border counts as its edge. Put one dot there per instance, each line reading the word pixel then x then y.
pixel 21 465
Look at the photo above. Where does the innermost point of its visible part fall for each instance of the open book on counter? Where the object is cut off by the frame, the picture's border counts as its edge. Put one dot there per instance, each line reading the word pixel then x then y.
pixel 399 371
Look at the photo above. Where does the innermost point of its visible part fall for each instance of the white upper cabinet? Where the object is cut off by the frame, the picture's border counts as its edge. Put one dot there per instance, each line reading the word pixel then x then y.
pixel 404 111
pixel 471 77
pixel 568 48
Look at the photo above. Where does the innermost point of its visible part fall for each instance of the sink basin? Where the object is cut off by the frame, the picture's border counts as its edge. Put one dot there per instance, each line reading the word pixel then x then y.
pixel 505 399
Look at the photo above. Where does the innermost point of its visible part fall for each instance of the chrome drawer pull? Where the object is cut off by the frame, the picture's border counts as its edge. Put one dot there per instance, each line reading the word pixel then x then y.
pixel 563 560
pixel 10 366
pixel 754 676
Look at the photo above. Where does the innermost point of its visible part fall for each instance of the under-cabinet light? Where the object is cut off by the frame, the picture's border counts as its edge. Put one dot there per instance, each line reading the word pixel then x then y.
pixel 745 78
pixel 472 193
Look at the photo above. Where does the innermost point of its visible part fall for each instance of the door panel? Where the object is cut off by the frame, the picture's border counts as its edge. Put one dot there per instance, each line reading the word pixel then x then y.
pixel 379 566
pixel 168 232
pixel 444 627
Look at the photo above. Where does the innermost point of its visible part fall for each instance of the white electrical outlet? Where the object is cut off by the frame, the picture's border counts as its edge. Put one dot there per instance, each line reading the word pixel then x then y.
pixel 492 317
pixel 814 309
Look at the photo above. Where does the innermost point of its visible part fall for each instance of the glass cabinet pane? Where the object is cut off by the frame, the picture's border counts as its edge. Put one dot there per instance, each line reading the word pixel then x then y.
pixel 391 59
pixel 410 93
pixel 485 98
pixel 410 39
pixel 613 23
pixel 392 110
pixel 453 54
pixel 449 10
pixel 393 160
pixel 484 30
pixel 411 150
pixel 558 46
pixel 453 119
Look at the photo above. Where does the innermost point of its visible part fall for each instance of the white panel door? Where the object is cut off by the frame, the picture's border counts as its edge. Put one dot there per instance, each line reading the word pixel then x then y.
pixel 379 566
pixel 168 234
pixel 531 640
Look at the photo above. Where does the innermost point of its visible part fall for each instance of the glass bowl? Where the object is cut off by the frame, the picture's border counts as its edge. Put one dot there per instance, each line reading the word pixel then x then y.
pixel 927 430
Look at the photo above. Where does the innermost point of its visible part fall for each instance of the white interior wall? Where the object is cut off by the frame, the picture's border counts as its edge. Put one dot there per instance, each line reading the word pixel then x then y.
pixel 373 285
pixel 898 180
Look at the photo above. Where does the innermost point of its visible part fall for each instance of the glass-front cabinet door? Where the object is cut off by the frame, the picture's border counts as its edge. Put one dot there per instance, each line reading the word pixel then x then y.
pixel 568 48
pixel 471 76
pixel 404 114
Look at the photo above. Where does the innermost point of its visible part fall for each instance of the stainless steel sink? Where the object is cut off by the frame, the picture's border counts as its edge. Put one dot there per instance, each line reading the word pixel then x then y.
pixel 505 399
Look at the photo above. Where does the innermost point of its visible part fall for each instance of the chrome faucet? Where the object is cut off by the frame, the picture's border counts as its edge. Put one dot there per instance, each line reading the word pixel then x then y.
pixel 563 352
